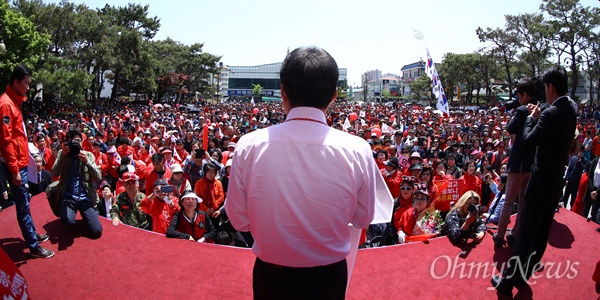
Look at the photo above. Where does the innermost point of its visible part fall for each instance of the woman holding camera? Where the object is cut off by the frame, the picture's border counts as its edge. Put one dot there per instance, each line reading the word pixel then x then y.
pixel 464 220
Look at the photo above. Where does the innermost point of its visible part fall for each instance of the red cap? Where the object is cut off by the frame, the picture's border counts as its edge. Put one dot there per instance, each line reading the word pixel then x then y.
pixel 129 176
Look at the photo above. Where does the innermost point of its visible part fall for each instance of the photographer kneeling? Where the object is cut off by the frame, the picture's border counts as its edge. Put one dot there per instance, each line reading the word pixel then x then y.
pixel 464 220
pixel 79 177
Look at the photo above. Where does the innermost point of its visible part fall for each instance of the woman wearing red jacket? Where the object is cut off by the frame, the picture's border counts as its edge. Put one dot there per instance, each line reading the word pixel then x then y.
pixel 210 189
pixel 427 177
pixel 408 229
pixel 470 181
pixel 404 202
pixel 191 223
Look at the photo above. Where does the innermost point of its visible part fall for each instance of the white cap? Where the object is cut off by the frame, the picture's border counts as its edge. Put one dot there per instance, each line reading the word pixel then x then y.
pixel 191 195
pixel 176 168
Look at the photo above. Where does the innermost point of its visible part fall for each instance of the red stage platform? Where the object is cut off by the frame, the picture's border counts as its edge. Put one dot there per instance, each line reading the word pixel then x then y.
pixel 130 263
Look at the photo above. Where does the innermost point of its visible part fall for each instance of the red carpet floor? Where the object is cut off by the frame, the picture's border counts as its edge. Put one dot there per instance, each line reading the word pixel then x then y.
pixel 134 264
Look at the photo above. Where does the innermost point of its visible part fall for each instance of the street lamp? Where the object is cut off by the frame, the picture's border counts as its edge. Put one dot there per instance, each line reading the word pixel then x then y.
pixel 2 33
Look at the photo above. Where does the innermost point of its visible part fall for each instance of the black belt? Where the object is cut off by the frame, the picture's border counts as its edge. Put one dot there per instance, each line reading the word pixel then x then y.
pixel 325 267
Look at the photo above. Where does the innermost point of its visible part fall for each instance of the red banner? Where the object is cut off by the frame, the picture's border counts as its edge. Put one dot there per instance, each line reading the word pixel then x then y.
pixel 448 190
pixel 12 282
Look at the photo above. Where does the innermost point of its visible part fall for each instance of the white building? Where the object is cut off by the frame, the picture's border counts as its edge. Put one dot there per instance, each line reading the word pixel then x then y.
pixel 241 80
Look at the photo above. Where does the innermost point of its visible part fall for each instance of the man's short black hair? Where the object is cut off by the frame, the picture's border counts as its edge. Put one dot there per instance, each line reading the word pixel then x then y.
pixel 526 86
pixel 557 76
pixel 309 76
pixel 158 157
pixel 19 72
pixel 73 133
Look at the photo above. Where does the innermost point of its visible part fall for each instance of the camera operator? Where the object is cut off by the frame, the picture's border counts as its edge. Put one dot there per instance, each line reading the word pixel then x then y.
pixel 464 220
pixel 79 177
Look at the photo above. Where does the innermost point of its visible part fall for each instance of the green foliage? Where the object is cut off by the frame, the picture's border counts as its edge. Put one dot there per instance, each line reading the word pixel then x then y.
pixel 571 28
pixel 257 90
pixel 24 45
pixel 386 94
pixel 81 48
pixel 421 87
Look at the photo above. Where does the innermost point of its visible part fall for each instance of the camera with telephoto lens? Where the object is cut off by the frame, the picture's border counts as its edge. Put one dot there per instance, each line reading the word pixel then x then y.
pixel 74 148
pixel 474 208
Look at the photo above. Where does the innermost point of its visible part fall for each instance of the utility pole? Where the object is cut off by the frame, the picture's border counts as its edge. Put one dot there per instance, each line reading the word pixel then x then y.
pixel 366 86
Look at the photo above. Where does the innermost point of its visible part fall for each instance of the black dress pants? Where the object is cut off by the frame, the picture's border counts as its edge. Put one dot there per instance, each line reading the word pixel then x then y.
pixel 541 200
pixel 271 281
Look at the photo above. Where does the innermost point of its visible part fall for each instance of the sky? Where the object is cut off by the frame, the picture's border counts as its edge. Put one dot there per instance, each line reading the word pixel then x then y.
pixel 361 35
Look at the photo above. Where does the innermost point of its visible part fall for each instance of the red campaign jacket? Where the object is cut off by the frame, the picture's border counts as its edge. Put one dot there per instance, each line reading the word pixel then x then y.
pixel 393 183
pixel 405 204
pixel 13 140
pixel 200 227
pixel 469 183
pixel 160 211
pixel 151 177
pixel 101 162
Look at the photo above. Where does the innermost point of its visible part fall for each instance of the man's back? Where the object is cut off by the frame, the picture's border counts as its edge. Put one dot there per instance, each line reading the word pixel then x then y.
pixel 301 183
pixel 519 160
pixel 554 140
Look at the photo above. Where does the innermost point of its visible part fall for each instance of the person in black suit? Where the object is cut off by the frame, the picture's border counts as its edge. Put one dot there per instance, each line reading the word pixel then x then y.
pixel 519 165
pixel 591 199
pixel 575 169
pixel 44 177
pixel 551 132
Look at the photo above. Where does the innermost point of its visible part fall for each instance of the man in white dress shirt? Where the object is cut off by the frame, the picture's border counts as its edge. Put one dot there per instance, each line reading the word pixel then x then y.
pixel 296 186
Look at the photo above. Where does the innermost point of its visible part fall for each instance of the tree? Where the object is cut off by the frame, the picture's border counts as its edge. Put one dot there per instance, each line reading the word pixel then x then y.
pixel 572 25
pixel 591 58
pixel 450 74
pixel 386 94
pixel 257 91
pixel 23 44
pixel 533 33
pixel 505 45
pixel 421 88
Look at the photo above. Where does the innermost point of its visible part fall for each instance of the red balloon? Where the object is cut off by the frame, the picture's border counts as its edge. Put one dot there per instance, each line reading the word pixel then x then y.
pixel 352 117
pixel 255 110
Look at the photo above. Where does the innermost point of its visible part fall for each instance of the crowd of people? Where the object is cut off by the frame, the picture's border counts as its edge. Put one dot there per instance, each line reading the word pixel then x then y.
pixel 134 150
pixel 169 169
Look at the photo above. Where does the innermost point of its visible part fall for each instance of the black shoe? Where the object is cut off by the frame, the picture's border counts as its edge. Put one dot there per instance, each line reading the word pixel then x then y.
pixel 42 237
pixel 498 242
pixel 510 240
pixel 42 252
pixel 501 286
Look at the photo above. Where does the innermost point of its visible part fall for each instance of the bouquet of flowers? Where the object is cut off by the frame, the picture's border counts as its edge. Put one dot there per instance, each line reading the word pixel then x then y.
pixel 431 222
